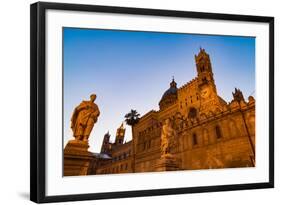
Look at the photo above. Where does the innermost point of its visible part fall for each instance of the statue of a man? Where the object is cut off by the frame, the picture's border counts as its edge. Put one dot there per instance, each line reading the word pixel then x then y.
pixel 83 119
pixel 167 136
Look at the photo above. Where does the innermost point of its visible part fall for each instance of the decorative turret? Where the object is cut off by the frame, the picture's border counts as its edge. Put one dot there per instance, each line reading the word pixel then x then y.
pixel 120 134
pixel 238 95
pixel 105 148
pixel 170 96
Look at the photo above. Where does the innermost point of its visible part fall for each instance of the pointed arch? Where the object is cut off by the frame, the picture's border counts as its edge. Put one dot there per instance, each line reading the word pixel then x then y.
pixel 194 139
pixel 218 132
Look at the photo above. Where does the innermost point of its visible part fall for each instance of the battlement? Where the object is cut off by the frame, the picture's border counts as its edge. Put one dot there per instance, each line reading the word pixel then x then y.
pixel 188 84
pixel 230 108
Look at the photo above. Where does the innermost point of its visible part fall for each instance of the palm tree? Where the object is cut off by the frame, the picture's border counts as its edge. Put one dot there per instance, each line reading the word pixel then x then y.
pixel 132 117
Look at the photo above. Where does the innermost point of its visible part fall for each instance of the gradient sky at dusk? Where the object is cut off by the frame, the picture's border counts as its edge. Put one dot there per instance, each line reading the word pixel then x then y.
pixel 131 70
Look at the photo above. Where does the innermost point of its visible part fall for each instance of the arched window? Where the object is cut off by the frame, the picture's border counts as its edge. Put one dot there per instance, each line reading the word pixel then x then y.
pixel 194 139
pixel 192 112
pixel 144 146
pixel 218 132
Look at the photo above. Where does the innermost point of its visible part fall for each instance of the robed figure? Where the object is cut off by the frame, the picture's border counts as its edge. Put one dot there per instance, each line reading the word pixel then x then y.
pixel 83 119
pixel 167 137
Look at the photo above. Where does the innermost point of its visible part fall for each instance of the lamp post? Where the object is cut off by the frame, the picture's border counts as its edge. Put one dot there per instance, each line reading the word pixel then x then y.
pixel 238 97
pixel 248 134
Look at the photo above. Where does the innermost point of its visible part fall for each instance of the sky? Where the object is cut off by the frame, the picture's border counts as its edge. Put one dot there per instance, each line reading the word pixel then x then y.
pixel 132 69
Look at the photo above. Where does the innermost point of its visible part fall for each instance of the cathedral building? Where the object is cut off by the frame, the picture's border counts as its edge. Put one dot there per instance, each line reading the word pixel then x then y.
pixel 210 132
pixel 114 157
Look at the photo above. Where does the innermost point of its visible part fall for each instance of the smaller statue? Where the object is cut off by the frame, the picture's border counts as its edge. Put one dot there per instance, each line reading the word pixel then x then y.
pixel 83 119
pixel 167 137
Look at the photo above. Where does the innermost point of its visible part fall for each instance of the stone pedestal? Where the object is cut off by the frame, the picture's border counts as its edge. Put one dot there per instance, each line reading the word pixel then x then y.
pixel 77 159
pixel 167 163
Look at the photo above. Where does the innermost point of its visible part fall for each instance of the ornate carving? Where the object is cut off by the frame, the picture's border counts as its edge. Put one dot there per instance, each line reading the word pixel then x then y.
pixel 238 95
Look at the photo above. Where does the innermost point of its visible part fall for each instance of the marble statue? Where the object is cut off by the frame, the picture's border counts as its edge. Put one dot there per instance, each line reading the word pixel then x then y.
pixel 167 137
pixel 84 117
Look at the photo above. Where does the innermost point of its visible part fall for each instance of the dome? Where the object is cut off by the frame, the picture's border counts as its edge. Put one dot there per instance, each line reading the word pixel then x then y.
pixel 170 91
pixel 169 96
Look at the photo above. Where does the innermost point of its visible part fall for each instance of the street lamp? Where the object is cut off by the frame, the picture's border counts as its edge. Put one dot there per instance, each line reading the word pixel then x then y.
pixel 238 96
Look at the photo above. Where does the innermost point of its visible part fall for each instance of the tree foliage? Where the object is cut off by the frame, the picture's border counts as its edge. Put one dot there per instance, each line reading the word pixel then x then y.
pixel 132 117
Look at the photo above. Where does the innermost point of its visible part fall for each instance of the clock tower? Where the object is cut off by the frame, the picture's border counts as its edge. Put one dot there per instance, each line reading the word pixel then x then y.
pixel 209 100
pixel 204 71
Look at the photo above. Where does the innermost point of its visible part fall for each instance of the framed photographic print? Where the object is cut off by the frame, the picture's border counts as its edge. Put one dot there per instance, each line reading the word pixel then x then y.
pixel 129 102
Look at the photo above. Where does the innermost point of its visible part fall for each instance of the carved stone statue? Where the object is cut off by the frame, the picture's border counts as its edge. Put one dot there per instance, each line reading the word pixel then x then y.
pixel 167 137
pixel 83 119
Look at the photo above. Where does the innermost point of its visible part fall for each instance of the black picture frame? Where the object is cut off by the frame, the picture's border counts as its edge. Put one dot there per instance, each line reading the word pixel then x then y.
pixel 38 101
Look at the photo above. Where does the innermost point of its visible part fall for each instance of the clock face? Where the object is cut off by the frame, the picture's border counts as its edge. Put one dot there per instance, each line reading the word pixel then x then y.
pixel 205 92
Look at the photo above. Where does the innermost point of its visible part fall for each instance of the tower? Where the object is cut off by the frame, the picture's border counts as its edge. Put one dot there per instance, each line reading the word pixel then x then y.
pixel 206 82
pixel 105 148
pixel 120 134
pixel 209 99
pixel 204 68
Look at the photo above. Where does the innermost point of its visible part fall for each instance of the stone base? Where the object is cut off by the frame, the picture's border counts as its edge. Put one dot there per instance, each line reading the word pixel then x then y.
pixel 77 159
pixel 167 163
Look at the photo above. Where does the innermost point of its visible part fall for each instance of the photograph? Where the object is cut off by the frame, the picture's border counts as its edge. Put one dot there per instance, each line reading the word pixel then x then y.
pixel 145 101
pixel 134 102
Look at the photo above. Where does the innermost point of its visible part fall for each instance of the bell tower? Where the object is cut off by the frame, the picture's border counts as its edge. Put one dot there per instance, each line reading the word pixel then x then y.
pixel 105 144
pixel 204 67
pixel 209 99
pixel 120 134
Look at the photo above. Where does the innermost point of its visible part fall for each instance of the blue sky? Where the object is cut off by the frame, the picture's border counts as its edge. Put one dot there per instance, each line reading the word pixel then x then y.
pixel 131 70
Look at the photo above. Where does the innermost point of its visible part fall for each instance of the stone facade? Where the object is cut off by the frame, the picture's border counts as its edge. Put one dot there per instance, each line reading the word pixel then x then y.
pixel 210 133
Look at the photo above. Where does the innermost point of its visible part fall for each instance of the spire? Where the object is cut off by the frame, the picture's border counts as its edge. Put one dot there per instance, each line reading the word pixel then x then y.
pixel 173 83
pixel 106 137
pixel 202 54
pixel 122 126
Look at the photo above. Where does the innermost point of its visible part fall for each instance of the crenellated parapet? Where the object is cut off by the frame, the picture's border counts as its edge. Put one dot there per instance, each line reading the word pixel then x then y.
pixel 184 123
pixel 188 85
